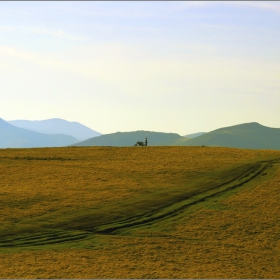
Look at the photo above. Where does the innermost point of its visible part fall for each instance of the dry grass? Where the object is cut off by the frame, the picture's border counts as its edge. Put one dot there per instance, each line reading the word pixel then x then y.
pixel 231 236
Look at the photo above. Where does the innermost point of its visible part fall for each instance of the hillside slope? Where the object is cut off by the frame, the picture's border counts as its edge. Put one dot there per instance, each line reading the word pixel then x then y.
pixel 15 137
pixel 123 139
pixel 57 126
pixel 247 135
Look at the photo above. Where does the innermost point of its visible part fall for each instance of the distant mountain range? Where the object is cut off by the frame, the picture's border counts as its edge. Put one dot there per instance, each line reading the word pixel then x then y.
pixel 58 133
pixel 16 137
pixel 57 126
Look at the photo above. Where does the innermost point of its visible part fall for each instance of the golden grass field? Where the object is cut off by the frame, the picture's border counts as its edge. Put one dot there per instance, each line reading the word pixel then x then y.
pixel 139 212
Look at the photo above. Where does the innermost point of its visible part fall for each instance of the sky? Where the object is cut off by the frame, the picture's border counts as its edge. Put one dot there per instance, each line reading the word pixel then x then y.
pixel 181 67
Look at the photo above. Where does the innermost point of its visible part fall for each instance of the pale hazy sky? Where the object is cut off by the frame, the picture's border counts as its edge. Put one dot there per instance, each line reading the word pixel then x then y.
pixel 180 67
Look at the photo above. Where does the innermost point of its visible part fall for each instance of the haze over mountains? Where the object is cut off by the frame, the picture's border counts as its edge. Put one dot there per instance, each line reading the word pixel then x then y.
pixel 58 133
pixel 16 137
pixel 193 135
pixel 57 126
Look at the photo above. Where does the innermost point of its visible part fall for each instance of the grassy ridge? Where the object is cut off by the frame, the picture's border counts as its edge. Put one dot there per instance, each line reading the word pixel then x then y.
pixel 62 200
pixel 122 139
pixel 244 136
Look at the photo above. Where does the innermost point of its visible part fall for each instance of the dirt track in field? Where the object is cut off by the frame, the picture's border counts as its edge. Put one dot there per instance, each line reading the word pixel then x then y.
pixel 247 175
pixel 190 199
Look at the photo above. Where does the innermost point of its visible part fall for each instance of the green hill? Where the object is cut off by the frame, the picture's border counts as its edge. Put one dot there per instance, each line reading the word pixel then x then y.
pixel 123 139
pixel 15 137
pixel 247 136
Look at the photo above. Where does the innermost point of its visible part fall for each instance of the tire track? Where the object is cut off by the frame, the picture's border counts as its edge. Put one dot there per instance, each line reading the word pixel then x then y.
pixel 60 235
pixel 41 238
pixel 174 209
